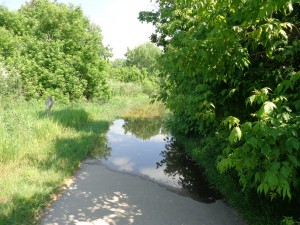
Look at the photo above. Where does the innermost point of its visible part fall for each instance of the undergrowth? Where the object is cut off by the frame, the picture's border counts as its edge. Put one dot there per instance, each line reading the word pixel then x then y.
pixel 255 209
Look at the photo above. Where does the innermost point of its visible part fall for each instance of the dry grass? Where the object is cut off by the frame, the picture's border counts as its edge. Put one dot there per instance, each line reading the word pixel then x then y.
pixel 148 111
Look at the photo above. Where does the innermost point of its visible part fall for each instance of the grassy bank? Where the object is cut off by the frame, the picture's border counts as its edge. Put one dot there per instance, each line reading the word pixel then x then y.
pixel 38 153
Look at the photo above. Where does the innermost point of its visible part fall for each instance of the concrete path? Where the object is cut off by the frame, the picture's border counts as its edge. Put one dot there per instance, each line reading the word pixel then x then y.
pixel 99 196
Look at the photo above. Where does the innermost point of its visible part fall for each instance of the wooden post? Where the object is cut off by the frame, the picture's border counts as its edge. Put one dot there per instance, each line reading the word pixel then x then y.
pixel 49 104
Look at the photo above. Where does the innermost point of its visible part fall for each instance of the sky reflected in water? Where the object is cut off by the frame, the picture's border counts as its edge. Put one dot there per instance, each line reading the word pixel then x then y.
pixel 139 157
pixel 141 148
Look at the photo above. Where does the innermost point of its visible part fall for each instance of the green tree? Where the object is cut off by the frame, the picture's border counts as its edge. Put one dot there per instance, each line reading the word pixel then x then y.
pixel 57 51
pixel 10 81
pixel 140 67
pixel 128 74
pixel 143 56
pixel 236 63
pixel 117 63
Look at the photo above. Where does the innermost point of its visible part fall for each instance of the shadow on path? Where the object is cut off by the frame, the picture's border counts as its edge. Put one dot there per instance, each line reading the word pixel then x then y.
pixel 99 196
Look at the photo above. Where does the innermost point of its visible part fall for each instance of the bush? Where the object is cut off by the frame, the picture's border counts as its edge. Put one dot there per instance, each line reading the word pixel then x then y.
pixel 10 81
pixel 65 59
pixel 118 88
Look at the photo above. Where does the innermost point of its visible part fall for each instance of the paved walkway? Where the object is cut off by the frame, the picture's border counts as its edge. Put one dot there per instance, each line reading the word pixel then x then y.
pixel 99 196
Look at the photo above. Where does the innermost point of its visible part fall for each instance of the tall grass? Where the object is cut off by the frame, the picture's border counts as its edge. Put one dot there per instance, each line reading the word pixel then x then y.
pixel 38 153
pixel 146 86
pixel 119 88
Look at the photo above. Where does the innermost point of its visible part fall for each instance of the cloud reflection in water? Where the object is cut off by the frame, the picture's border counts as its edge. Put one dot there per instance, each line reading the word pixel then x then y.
pixel 123 163
pixel 155 156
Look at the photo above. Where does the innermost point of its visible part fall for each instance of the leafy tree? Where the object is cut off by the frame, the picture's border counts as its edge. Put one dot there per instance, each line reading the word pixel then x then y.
pixel 56 49
pixel 10 82
pixel 143 56
pixel 117 63
pixel 140 67
pixel 128 74
pixel 236 63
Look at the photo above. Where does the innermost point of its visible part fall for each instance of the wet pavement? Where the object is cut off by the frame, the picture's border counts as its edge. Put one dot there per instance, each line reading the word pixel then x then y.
pixel 143 178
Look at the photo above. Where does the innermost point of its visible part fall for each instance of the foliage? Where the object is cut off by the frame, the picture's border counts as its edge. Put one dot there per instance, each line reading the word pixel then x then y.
pixel 269 148
pixel 144 56
pixel 254 208
pixel 235 64
pixel 55 49
pixel 139 67
pixel 289 221
pixel 117 63
pixel 128 74
pixel 129 89
pixel 10 81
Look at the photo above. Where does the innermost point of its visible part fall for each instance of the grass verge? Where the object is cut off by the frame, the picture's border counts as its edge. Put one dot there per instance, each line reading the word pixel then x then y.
pixel 38 153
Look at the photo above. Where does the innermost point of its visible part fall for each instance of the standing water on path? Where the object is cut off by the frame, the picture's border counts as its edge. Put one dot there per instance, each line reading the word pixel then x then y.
pixel 109 191
pixel 141 147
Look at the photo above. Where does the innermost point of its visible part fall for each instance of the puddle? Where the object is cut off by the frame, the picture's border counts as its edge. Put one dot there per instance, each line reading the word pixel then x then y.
pixel 141 147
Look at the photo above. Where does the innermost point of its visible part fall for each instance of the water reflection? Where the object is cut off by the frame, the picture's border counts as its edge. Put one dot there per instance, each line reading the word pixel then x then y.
pixel 143 129
pixel 141 148
pixel 102 149
pixel 177 163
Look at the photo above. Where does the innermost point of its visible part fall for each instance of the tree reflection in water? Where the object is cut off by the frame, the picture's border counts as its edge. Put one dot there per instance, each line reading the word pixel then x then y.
pixel 102 150
pixel 191 178
pixel 174 162
pixel 143 128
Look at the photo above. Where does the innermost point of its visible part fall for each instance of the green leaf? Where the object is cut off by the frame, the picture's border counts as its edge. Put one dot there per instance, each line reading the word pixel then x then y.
pixel 279 88
pixel 259 33
pixel 253 142
pixel 256 127
pixel 265 90
pixel 292 143
pixel 294 160
pixel 251 99
pixel 268 107
pixel 275 167
pixel 224 164
pixel 246 126
pixel 272 180
pixel 266 188
pixel 285 172
pixel 257 177
pixel 235 135
pixel 269 53
pixel 283 34
pixel 260 188
pixel 266 150
pixel 231 121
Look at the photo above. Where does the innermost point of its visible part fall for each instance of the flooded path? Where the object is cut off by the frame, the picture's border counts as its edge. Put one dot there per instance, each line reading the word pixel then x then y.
pixel 142 178
pixel 139 147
